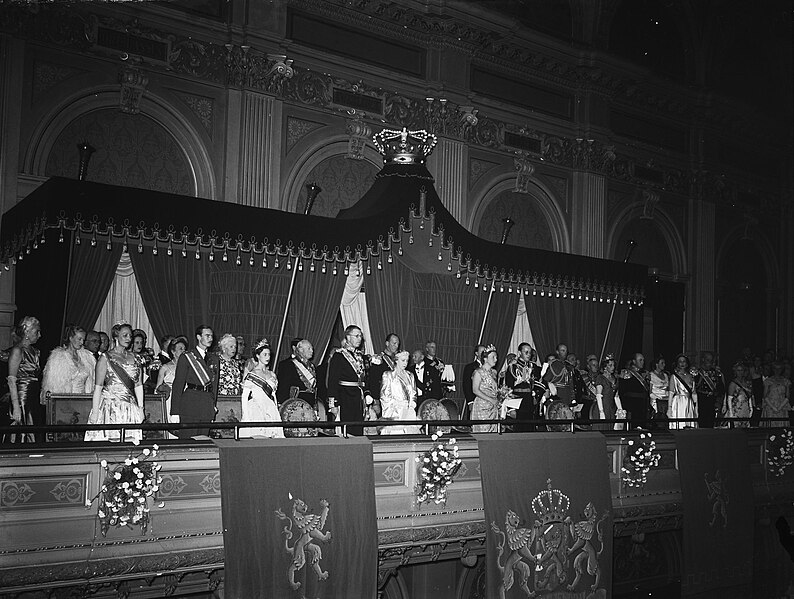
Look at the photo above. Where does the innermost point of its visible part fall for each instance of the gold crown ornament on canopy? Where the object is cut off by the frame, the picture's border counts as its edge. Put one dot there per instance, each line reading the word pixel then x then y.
pixel 404 147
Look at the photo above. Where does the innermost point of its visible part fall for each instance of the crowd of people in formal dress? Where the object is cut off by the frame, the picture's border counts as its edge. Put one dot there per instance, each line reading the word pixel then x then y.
pixel 381 393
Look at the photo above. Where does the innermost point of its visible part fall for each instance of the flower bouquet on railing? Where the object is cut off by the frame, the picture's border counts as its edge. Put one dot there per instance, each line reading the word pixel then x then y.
pixel 437 467
pixel 639 462
pixel 126 490
pixel 780 452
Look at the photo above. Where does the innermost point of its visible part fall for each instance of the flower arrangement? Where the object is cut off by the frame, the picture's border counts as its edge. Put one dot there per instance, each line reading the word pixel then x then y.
pixel 437 466
pixel 780 452
pixel 125 492
pixel 637 465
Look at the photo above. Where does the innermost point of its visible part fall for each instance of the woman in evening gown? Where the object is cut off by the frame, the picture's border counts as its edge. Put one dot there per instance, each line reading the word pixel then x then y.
pixel 682 398
pixel 398 397
pixel 166 373
pixel 24 384
pixel 740 400
pixel 259 396
pixel 607 402
pixel 486 400
pixel 118 391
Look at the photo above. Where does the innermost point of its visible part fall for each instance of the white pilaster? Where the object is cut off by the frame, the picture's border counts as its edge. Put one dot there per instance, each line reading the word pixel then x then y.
pixel 588 214
pixel 449 165
pixel 260 151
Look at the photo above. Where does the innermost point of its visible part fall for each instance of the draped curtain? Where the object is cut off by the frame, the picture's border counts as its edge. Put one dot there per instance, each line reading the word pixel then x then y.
pixel 439 307
pixel 353 308
pixel 124 302
pixel 521 330
pixel 581 325
pixel 97 265
pixel 175 291
pixel 313 310
pixel 249 301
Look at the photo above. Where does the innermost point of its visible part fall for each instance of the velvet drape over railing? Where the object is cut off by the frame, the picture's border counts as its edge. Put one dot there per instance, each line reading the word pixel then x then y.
pixel 91 274
pixel 580 325
pixel 175 291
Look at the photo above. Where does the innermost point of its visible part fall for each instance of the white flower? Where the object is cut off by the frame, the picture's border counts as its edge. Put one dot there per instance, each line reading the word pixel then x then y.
pixel 88 502
pixel 104 463
pixel 155 447
pixel 127 462
pixel 136 441
pixel 146 451
pixel 117 475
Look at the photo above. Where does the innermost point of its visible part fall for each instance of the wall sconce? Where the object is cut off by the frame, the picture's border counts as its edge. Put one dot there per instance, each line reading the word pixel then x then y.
pixel 85 149
pixel 312 191
pixel 507 224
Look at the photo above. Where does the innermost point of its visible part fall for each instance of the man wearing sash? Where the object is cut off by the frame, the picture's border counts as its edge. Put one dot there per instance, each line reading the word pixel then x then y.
pixel 297 377
pixel 348 397
pixel 710 387
pixel 558 376
pixel 195 388
pixel 635 391
pixel 523 377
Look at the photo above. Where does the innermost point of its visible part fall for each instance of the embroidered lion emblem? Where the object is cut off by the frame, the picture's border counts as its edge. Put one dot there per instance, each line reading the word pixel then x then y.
pixel 519 541
pixel 308 528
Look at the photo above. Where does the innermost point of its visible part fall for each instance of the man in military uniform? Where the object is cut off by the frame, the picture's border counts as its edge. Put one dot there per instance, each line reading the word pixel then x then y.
pixel 195 388
pixel 297 377
pixel 523 377
pixel 710 387
pixel 558 376
pixel 428 378
pixel 348 397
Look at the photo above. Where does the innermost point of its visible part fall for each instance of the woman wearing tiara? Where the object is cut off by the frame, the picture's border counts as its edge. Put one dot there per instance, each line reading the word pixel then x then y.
pixel 398 397
pixel 485 387
pixel 259 396
pixel 118 389
pixel 683 399
pixel 607 401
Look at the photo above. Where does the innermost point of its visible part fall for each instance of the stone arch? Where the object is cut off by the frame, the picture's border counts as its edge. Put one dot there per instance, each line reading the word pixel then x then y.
pixel 662 223
pixel 189 140
pixel 311 162
pixel 542 200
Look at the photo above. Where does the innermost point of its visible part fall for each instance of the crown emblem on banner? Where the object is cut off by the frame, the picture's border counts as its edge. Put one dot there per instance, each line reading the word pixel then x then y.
pixel 404 147
pixel 551 506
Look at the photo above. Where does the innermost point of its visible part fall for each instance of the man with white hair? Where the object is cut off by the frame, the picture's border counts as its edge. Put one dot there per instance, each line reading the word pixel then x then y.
pixel 297 377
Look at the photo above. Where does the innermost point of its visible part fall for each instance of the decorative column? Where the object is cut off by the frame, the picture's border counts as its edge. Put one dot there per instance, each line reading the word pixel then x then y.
pixel 260 150
pixel 588 214
pixel 449 165
pixel 11 61
pixel 702 304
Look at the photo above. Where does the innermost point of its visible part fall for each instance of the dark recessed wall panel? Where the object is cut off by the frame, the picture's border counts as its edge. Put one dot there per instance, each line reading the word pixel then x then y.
pixel 521 93
pixel 663 135
pixel 331 37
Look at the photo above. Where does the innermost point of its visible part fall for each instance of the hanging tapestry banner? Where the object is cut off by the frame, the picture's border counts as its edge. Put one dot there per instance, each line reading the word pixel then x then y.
pixel 548 513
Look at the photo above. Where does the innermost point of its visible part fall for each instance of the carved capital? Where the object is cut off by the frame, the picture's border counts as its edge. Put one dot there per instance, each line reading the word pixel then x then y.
pixel 358 133
pixel 525 170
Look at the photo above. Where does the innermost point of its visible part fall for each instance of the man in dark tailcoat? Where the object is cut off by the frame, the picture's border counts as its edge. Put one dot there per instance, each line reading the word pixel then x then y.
pixel 348 397
pixel 297 377
pixel 427 376
pixel 195 388
pixel 634 387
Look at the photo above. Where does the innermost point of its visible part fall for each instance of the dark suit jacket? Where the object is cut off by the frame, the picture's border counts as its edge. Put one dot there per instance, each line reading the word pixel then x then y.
pixel 288 377
pixel 184 374
pixel 431 386
pixel 468 372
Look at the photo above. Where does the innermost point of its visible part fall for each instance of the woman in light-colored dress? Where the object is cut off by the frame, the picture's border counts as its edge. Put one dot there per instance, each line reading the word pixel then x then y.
pixel 607 401
pixel 660 387
pixel 24 379
pixel 70 368
pixel 739 400
pixel 681 395
pixel 259 396
pixel 118 389
pixel 777 394
pixel 398 397
pixel 165 376
pixel 486 389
